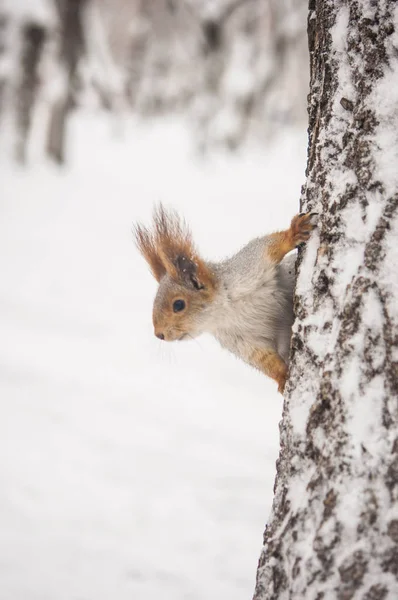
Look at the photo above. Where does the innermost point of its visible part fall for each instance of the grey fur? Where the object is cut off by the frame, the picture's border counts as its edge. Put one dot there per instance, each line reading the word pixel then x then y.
pixel 253 304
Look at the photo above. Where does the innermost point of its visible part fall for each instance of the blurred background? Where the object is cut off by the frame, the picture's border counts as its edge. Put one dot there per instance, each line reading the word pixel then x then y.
pixel 131 468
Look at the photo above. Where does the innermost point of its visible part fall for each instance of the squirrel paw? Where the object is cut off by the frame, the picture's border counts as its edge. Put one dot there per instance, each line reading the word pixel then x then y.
pixel 281 384
pixel 301 227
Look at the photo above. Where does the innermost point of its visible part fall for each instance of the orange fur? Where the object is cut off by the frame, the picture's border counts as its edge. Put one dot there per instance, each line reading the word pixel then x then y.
pixel 168 242
pixel 147 246
pixel 173 239
pixel 282 242
pixel 272 365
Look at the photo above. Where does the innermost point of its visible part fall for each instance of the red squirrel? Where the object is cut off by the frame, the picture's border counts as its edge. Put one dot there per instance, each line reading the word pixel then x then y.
pixel 245 302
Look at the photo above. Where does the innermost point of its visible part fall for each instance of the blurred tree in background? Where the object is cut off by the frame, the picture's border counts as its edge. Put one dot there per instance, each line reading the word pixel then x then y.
pixel 52 54
pixel 237 69
pixel 71 48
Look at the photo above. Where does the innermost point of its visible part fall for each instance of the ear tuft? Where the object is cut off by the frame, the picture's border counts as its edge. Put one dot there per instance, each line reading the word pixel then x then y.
pixel 169 249
pixel 173 239
pixel 146 243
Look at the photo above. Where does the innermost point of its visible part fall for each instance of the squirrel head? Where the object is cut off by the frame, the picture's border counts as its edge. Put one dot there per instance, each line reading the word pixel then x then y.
pixel 186 283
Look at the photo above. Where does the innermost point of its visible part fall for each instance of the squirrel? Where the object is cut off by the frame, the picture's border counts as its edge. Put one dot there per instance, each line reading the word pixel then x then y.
pixel 245 302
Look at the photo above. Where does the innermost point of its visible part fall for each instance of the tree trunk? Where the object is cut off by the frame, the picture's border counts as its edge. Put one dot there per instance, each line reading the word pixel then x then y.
pixel 333 530
pixel 4 18
pixel 72 48
pixel 25 33
pixel 33 40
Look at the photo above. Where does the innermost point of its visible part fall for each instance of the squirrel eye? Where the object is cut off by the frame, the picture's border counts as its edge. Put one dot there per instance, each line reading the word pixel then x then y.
pixel 178 305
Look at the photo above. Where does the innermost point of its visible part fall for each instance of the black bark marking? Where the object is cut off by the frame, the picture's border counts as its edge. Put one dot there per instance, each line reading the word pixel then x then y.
pixel 324 455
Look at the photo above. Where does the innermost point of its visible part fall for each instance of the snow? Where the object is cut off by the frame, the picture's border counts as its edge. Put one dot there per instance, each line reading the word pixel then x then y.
pixel 129 468
pixel 338 516
pixel 41 11
pixel 359 225
pixel 364 416
pixel 385 100
pixel 239 81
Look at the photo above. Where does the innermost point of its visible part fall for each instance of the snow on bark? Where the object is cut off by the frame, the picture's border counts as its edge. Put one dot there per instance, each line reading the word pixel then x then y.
pixel 333 530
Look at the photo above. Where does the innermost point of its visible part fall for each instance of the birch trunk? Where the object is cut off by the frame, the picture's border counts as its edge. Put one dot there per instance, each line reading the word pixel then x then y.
pixel 333 530
pixel 33 36
pixel 72 47
pixel 26 30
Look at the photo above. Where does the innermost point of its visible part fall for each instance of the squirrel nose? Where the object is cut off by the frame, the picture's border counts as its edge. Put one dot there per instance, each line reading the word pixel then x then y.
pixel 160 336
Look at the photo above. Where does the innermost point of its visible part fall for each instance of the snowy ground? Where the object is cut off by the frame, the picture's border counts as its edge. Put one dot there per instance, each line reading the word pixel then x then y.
pixel 129 468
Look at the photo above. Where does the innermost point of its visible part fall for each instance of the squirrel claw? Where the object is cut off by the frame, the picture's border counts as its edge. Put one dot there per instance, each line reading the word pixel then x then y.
pixel 301 227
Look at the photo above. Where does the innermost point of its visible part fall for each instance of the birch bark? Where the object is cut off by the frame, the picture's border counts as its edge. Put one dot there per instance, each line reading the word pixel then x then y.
pixel 333 530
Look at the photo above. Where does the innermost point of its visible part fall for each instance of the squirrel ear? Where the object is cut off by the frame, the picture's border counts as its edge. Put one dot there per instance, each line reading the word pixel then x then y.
pixel 148 248
pixel 193 273
pixel 168 248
